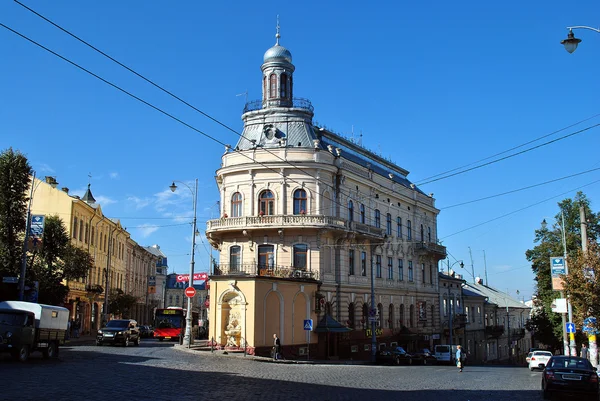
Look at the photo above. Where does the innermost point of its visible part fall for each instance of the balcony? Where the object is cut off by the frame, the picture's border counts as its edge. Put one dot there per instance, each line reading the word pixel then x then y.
pixel 494 331
pixel 366 229
pixel 297 103
pixel 277 221
pixel 255 270
pixel 458 321
pixel 517 334
pixel 432 248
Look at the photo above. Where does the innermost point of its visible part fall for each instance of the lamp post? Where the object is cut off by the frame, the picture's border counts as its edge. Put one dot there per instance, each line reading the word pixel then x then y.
pixel 450 307
pixel 571 42
pixel 187 338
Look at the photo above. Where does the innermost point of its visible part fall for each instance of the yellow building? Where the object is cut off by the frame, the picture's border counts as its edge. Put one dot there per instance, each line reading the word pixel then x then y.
pixel 306 216
pixel 103 238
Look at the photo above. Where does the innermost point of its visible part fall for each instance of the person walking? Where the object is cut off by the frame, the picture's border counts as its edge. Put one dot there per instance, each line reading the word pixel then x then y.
pixel 276 347
pixel 584 351
pixel 459 358
pixel 76 327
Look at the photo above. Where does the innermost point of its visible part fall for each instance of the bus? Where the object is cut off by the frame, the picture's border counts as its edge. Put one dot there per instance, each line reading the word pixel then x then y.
pixel 168 323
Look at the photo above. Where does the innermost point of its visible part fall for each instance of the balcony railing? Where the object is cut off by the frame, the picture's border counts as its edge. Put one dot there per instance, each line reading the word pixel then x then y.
pixel 297 102
pixel 432 247
pixel 458 320
pixel 301 220
pixel 517 333
pixel 494 331
pixel 256 270
pixel 365 228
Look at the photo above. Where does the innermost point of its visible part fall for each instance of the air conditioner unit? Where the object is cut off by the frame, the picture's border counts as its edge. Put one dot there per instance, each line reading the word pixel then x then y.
pixel 302 351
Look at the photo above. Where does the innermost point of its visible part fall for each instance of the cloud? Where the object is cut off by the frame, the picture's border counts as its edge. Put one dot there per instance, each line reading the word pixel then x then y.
pixel 43 167
pixel 104 200
pixel 147 229
pixel 139 203
pixel 114 175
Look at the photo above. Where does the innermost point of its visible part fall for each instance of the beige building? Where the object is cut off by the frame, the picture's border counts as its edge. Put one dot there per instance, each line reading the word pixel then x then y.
pixel 309 220
pixel 141 268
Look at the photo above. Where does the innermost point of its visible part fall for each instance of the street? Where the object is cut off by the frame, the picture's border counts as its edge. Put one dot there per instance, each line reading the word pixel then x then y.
pixel 157 371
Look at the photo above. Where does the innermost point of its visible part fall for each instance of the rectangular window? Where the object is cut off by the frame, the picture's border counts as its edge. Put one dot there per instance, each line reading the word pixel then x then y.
pixel 390 268
pixel 363 263
pixel 377 218
pixel 75 226
pixel 388 224
pixel 410 271
pixel 300 252
pixel 378 265
pixel 92 237
pixel 428 234
pixel 80 229
pixel 399 227
pixel 445 307
pixel 86 236
pixel 266 257
pixel 351 262
pixel 400 269
pixel 467 314
pixel 431 274
pixel 235 258
pixel 409 230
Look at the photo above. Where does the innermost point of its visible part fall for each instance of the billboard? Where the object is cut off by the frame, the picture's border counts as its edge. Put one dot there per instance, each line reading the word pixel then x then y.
pixel 559 305
pixel 558 267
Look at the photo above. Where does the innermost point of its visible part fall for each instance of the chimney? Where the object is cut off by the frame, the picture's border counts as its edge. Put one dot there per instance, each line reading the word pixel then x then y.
pixel 65 190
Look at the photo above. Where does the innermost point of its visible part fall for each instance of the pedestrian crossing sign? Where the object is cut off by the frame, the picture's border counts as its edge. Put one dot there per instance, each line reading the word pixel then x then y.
pixel 308 324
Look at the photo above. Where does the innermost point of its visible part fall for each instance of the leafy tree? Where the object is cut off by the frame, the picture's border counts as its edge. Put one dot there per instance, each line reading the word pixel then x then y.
pixel 547 325
pixel 15 173
pixel 121 304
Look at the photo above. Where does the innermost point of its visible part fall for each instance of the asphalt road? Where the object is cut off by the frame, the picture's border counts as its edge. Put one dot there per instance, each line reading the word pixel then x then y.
pixel 158 371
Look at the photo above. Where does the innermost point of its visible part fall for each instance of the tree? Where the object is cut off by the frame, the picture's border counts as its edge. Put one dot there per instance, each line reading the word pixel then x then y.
pixel 546 324
pixel 15 173
pixel 121 304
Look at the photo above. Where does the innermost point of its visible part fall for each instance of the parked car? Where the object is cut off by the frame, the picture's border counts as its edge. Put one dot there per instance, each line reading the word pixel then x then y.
pixel 424 356
pixel 528 358
pixel 146 331
pixel 539 359
pixel 119 331
pixel 569 375
pixel 393 355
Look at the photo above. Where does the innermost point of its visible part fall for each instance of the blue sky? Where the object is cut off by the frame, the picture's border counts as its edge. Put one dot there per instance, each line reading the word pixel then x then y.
pixel 432 85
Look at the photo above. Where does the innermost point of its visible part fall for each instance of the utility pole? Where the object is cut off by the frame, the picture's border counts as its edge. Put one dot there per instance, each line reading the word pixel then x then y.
pixel 472 267
pixel 592 338
pixel 485 268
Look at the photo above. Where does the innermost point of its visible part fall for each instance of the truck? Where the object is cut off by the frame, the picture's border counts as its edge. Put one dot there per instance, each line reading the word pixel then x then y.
pixel 26 327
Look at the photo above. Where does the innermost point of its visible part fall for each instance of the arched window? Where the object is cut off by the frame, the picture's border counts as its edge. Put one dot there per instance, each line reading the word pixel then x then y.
pixel 350 211
pixel 300 256
pixel 235 258
pixel 401 316
pixel 236 205
pixel 266 257
pixel 377 218
pixel 365 314
pixel 388 224
pixel 380 315
pixel 266 203
pixel 411 316
pixel 351 317
pixel 265 91
pixel 362 213
pixel 283 86
pixel 391 316
pixel 273 86
pixel 428 234
pixel 299 201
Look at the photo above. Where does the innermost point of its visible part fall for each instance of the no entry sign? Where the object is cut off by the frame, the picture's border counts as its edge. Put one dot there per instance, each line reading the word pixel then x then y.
pixel 190 292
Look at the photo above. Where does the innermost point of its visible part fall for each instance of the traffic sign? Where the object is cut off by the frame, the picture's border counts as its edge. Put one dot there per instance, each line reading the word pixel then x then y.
pixel 372 312
pixel 190 292
pixel 570 327
pixel 372 319
pixel 36 230
pixel 10 280
pixel 308 324
pixel 152 280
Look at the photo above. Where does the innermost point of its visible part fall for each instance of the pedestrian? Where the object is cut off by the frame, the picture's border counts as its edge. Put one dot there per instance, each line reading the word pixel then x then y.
pixel 459 358
pixel 584 351
pixel 276 347
pixel 68 333
pixel 76 327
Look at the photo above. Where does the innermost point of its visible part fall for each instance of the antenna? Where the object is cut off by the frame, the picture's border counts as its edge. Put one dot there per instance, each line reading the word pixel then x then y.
pixel 472 267
pixel 485 267
pixel 89 178
pixel 245 94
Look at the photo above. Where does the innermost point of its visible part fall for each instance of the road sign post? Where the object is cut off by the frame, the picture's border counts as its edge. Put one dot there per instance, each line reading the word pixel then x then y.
pixel 308 326
pixel 570 327
pixel 190 292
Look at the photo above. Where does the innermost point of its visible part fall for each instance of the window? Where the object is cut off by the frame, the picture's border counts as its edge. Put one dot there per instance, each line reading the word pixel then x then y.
pixel 422 234
pixel 363 263
pixel 467 314
pixel 401 315
pixel 377 218
pixel 378 265
pixel 299 201
pixel 388 224
pixel 399 227
pixel 266 203
pixel 431 274
pixel 445 307
pixel 75 226
pixel 283 86
pixel 409 230
pixel 273 86
pixel 92 237
pixel 391 316
pixel 365 313
pixel 362 213
pixel 410 271
pixel 80 229
pixel 266 257
pixel 411 316
pixel 351 262
pixel 236 205
pixel 265 92
pixel 350 211
pixel 351 317
pixel 86 237
pixel 423 278
pixel 400 269
pixel 177 300
pixel 479 313
pixel 235 258
pixel 428 234
pixel 390 268
pixel 170 299
pixel 300 252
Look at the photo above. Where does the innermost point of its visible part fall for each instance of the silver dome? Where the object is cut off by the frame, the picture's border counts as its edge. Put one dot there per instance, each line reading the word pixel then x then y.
pixel 277 52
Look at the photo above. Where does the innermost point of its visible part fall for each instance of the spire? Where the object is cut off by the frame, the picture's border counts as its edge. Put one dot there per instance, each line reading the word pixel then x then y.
pixel 88 197
pixel 277 35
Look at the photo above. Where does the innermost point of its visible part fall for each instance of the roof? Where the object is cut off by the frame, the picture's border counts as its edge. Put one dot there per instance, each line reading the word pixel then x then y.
pixel 494 296
pixel 329 325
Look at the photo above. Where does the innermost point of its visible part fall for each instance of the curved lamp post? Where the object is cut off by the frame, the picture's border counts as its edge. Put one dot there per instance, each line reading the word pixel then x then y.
pixel 187 337
pixel 571 42
pixel 450 308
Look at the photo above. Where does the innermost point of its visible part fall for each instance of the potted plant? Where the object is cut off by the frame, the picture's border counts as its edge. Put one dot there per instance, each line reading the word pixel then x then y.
pixel 302 211
pixel 261 213
pixel 225 215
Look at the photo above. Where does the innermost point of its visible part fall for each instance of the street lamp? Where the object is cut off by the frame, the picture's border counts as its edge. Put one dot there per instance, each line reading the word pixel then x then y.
pixel 187 338
pixel 571 42
pixel 450 305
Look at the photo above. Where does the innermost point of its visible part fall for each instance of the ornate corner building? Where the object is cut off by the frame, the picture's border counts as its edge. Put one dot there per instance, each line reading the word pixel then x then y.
pixel 306 216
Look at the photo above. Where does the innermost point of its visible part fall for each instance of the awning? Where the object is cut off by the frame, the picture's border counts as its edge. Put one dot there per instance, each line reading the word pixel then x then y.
pixel 329 325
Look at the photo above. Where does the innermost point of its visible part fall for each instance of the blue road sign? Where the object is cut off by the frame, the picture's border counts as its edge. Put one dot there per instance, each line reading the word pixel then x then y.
pixel 557 266
pixel 36 229
pixel 570 327
pixel 308 324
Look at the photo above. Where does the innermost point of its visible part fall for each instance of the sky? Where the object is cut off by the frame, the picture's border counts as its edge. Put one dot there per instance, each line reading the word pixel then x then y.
pixel 433 86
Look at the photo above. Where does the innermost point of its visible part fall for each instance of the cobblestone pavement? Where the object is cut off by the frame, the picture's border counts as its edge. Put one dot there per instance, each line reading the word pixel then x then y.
pixel 158 371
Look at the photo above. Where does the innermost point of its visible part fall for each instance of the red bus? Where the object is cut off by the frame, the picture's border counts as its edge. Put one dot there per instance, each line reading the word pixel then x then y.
pixel 168 323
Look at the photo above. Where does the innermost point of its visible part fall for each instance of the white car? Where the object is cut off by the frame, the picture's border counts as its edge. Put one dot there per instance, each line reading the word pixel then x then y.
pixel 528 358
pixel 539 359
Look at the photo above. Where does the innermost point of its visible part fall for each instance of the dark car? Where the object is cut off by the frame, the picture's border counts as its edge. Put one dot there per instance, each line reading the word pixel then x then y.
pixel 393 355
pixel 146 332
pixel 569 375
pixel 424 356
pixel 119 331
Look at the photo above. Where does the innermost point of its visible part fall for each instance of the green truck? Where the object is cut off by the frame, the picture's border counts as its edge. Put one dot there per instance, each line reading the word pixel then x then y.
pixel 26 327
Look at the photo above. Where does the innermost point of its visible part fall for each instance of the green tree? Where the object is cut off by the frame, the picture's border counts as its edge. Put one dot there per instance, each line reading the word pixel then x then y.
pixel 121 304
pixel 15 173
pixel 546 324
